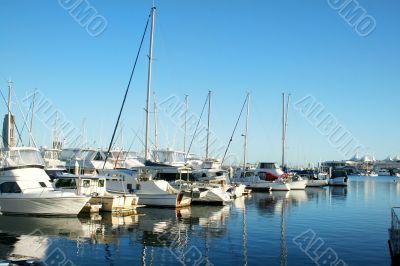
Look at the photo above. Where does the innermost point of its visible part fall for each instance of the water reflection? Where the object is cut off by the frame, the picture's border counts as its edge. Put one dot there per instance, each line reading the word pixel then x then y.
pixel 24 237
pixel 233 234
pixel 338 193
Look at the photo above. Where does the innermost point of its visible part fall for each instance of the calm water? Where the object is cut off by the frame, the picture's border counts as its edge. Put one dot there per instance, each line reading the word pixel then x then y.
pixel 264 228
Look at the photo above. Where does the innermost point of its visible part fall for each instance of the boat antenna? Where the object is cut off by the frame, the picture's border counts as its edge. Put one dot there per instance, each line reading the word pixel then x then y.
pixel 185 126
pixel 234 130
pixel 147 155
pixel 126 92
pixel 246 133
pixel 285 111
pixel 208 123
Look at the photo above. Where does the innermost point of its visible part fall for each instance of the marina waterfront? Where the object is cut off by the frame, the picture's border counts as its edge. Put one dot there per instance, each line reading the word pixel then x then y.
pixel 270 228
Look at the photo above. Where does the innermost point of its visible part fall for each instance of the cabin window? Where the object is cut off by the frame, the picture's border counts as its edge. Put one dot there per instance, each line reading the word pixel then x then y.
pixel 42 184
pixel 10 187
pixel 86 183
pixel 65 183
pixel 129 187
pixel 137 186
pixel 101 183
pixel 98 157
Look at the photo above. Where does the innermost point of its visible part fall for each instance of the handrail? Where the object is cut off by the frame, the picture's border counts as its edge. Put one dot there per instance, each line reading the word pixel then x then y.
pixel 395 231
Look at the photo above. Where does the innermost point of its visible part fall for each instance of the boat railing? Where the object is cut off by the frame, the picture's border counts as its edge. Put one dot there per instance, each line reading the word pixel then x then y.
pixel 394 232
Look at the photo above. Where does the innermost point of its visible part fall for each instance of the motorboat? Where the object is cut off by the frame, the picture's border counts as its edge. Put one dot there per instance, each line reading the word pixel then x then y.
pixel 123 180
pixel 297 183
pixel 150 192
pixel 383 172
pixel 338 178
pixel 25 187
pixel 371 173
pixel 267 176
pixel 95 187
pixel 211 172
pixel 210 195
pixel 314 178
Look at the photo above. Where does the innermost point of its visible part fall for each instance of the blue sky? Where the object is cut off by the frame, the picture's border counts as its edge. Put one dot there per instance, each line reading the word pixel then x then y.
pixel 229 47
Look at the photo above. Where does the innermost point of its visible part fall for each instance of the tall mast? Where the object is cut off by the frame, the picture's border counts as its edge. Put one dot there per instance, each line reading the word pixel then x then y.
pixel 208 127
pixel 185 126
pixel 10 83
pixel 246 132
pixel 283 130
pixel 147 155
pixel 155 124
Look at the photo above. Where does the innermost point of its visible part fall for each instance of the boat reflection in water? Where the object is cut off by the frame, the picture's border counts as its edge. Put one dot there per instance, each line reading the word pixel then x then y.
pixel 29 238
pixel 339 193
pixel 157 230
pixel 177 232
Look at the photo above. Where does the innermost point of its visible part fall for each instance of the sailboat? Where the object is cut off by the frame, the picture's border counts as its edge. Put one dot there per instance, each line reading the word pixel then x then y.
pixel 150 192
pixel 213 183
pixel 296 182
pixel 25 187
pixel 267 176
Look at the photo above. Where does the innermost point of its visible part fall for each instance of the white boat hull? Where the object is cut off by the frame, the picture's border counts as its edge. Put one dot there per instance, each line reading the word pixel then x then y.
pixel 115 203
pixel 317 183
pixel 298 185
pixel 279 186
pixel 213 196
pixel 255 183
pixel 164 200
pixel 338 181
pixel 238 190
pixel 43 206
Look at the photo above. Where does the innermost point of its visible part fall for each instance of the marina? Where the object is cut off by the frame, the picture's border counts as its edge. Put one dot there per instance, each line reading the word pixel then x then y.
pixel 171 133
pixel 237 233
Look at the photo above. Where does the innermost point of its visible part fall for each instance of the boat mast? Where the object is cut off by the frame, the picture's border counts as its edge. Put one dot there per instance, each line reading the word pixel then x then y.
pixel 153 11
pixel 246 132
pixel 208 126
pixel 185 126
pixel 286 120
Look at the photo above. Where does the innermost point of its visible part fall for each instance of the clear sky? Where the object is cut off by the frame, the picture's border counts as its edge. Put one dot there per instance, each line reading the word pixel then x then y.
pixel 227 46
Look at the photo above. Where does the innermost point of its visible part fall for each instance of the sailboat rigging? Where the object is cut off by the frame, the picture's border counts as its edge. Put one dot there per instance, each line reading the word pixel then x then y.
pixel 127 90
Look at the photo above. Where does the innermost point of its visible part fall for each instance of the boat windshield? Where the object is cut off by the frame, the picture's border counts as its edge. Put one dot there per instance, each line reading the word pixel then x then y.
pixel 51 154
pixel 269 166
pixel 20 157
pixel 170 157
pixel 69 154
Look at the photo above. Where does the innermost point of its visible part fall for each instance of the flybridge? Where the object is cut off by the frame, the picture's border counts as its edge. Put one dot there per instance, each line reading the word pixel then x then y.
pixel 18 157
